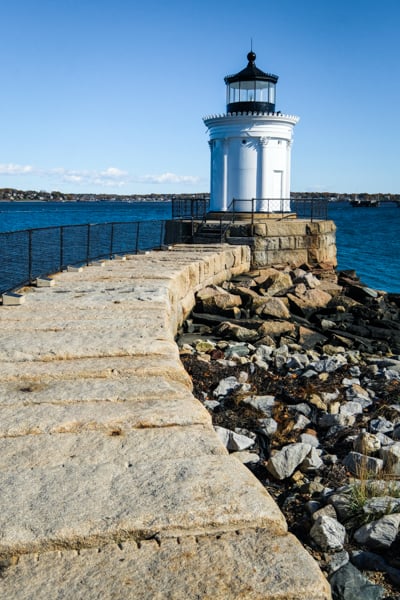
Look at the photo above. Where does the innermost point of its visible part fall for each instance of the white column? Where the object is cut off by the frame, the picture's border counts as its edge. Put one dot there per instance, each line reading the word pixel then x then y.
pixel 225 144
pixel 262 184
pixel 219 174
pixel 286 182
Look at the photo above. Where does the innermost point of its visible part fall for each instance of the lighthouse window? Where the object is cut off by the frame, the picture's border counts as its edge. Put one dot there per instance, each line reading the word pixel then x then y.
pixel 262 91
pixel 271 93
pixel 234 93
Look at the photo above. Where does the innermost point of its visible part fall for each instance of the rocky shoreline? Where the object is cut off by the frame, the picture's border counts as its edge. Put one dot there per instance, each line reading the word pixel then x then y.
pixel 300 370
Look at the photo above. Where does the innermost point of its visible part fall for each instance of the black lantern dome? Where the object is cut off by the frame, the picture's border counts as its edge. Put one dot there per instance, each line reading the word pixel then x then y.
pixel 251 89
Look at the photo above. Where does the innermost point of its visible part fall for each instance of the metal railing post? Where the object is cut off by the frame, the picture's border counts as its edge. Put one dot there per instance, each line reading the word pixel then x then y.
pixel 88 244
pixel 61 247
pixel 162 234
pixel 112 240
pixel 30 256
pixel 137 237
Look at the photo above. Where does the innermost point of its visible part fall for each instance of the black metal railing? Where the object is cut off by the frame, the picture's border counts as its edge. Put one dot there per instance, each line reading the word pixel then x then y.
pixel 33 253
pixel 190 208
pixel 303 208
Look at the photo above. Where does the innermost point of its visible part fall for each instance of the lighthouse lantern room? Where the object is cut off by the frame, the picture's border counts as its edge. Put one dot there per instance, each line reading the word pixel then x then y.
pixel 250 146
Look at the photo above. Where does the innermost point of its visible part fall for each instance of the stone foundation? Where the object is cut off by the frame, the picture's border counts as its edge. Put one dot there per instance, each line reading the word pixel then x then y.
pixel 274 241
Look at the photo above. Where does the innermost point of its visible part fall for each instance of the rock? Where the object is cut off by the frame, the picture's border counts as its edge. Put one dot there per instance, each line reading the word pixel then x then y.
pixel 223 434
pixel 238 442
pixel 350 408
pixel 275 282
pixel 300 422
pixel 328 534
pixel 308 438
pixel 215 299
pixel 297 361
pixel 316 400
pixel 391 458
pixel 362 465
pixel 312 507
pixel 212 404
pixel 327 324
pixel 366 443
pixel 336 561
pixel 275 328
pixel 311 281
pixel 384 440
pixel 342 504
pixel 312 461
pixel 311 299
pixel 380 534
pixel 369 561
pixel 284 462
pixel 347 583
pixel 380 425
pixel 329 364
pixel 273 307
pixel 235 350
pixel 325 511
pixel 269 426
pixel 233 441
pixel 331 420
pixel 263 404
pixel 237 332
pixel 382 505
pixel 225 386
pixel 264 352
pixel 204 346
pixel 301 408
pixel 308 338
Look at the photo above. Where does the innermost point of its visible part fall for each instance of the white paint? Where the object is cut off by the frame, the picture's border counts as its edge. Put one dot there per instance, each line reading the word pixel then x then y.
pixel 250 159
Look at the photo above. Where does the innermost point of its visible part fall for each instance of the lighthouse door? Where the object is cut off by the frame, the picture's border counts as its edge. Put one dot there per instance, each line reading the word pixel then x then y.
pixel 277 184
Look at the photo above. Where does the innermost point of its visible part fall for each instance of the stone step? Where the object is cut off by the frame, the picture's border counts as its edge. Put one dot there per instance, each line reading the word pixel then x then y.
pixel 110 418
pixel 36 372
pixel 48 450
pixel 248 564
pixel 131 388
pixel 81 505
pixel 65 345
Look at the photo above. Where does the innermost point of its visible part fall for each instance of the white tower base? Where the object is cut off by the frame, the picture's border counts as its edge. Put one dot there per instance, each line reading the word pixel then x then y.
pixel 250 161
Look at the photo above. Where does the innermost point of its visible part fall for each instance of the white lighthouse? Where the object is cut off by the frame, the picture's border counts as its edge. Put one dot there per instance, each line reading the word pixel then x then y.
pixel 250 146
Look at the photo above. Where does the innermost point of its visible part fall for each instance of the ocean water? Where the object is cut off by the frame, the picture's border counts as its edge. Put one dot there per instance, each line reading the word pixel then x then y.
pixel 368 239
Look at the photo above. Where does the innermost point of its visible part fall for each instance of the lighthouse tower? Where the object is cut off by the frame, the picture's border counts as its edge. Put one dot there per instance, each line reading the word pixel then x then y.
pixel 250 146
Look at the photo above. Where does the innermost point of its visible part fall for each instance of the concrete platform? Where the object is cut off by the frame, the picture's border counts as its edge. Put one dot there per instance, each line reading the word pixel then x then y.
pixel 113 481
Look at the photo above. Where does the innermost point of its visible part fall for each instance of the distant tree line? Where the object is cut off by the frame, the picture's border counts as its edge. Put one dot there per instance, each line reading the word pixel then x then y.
pixel 13 195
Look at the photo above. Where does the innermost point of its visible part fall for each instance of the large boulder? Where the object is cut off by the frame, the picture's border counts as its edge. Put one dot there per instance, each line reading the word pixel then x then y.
pixel 215 300
pixel 273 307
pixel 275 282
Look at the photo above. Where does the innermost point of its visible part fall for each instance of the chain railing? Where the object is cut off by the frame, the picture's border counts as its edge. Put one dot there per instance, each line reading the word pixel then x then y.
pixel 33 253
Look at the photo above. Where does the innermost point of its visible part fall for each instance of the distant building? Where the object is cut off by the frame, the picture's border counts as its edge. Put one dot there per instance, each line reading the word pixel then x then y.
pixel 250 146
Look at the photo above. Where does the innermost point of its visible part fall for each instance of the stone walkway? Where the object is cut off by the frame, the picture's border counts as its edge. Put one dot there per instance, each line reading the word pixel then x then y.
pixel 113 482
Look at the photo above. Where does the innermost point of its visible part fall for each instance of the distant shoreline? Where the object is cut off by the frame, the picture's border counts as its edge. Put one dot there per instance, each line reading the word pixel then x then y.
pixel 14 195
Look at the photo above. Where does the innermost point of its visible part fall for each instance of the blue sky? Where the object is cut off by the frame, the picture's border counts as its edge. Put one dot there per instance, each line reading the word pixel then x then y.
pixel 108 96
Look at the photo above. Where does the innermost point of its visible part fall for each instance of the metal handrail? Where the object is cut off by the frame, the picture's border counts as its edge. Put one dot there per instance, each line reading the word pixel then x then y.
pixel 196 208
pixel 29 254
